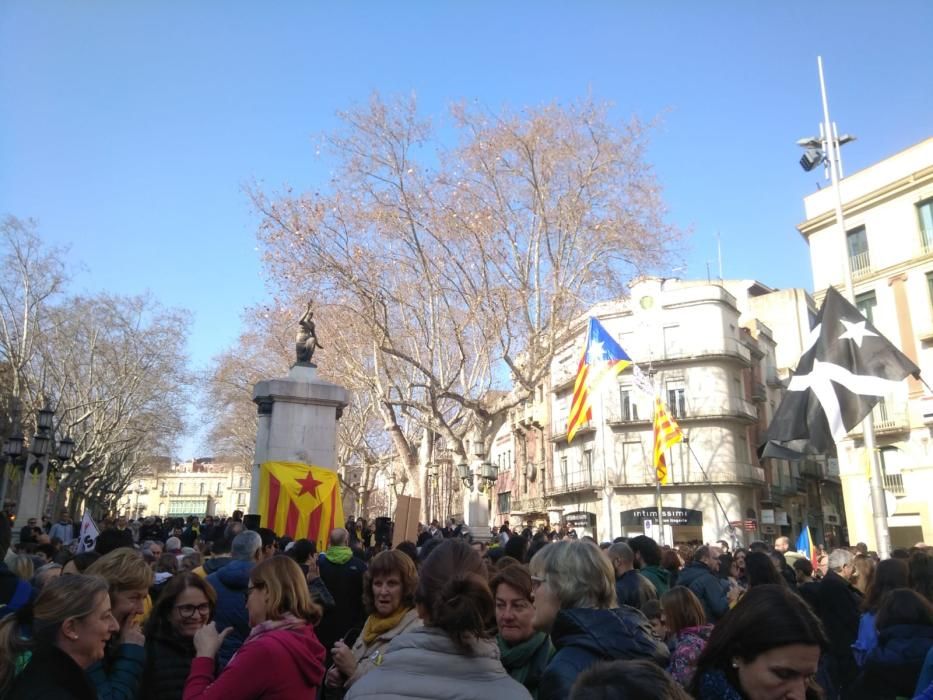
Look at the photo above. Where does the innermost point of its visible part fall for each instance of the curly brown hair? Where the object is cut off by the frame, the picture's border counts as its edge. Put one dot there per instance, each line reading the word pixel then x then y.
pixel 387 563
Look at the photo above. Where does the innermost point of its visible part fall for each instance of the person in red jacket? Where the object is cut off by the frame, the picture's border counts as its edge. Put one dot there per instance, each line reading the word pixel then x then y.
pixel 281 657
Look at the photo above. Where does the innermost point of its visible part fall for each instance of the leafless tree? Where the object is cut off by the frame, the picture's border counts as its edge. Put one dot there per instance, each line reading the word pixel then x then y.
pixel 463 268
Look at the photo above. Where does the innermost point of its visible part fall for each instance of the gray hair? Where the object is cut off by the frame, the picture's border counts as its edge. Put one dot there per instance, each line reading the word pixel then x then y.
pixel 339 537
pixel 621 551
pixel 245 545
pixel 578 573
pixel 839 558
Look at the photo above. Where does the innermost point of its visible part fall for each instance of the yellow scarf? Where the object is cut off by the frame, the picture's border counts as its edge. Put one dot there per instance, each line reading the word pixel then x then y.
pixel 376 625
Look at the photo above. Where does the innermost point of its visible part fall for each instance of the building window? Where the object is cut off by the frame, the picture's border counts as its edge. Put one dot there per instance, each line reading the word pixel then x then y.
pixel 930 285
pixel 588 464
pixel 676 399
pixel 857 242
pixel 218 488
pixel 162 490
pixel 242 482
pixel 671 341
pixel 563 470
pixel 241 499
pixel 866 303
pixel 504 502
pixel 180 483
pixel 925 213
pixel 201 489
pixel 628 407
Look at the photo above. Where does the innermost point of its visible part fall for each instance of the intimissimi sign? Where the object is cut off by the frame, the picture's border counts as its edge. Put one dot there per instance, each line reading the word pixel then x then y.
pixel 672 516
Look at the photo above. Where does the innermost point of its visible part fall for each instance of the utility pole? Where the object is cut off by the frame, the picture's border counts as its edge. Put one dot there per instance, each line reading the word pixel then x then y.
pixel 831 146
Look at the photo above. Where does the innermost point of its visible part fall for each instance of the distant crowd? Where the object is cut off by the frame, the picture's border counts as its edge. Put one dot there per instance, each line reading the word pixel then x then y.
pixel 181 609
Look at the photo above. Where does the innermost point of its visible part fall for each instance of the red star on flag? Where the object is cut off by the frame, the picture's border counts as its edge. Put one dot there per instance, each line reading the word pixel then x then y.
pixel 308 485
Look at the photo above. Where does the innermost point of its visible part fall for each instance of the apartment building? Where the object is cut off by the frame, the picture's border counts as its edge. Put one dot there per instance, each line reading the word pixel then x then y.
pixel 715 364
pixel 888 247
pixel 195 487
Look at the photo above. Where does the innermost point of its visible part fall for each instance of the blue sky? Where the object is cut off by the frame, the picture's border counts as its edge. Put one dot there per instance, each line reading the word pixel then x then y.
pixel 129 129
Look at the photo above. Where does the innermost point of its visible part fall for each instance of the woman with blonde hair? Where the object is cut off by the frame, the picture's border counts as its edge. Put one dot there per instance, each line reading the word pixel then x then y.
pixel 575 601
pixel 128 577
pixel 23 566
pixel 70 624
pixel 281 657
pixel 685 618
pixel 389 596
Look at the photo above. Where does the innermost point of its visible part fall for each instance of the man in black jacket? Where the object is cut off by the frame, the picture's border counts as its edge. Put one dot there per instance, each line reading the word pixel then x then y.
pixel 342 573
pixel 700 577
pixel 838 604
pixel 631 587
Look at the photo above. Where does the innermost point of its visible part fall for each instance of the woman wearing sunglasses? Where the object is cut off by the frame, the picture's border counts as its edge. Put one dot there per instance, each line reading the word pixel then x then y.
pixel 185 606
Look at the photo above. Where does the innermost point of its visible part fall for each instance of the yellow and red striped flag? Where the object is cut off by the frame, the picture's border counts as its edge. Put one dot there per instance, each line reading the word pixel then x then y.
pixel 602 357
pixel 299 500
pixel 666 435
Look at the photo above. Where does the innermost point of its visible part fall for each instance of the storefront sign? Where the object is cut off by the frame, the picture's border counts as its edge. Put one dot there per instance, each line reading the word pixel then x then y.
pixel 671 516
pixel 580 519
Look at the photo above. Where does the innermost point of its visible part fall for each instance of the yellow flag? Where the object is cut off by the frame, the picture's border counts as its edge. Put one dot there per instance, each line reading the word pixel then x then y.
pixel 300 500
pixel 666 434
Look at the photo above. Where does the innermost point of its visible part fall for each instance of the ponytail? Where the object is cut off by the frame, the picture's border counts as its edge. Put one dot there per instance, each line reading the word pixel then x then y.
pixel 13 644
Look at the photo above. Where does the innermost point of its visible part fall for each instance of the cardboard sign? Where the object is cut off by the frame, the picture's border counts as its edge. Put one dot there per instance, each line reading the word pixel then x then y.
pixel 406 520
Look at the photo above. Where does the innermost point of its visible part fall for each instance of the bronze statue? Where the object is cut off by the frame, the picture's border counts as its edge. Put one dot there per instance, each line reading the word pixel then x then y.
pixel 306 341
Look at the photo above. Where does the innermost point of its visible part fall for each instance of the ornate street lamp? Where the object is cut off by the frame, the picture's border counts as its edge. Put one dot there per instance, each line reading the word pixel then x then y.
pixel 465 474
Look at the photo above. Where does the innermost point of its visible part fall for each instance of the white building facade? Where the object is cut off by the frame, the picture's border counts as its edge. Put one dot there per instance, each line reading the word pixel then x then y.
pixel 197 487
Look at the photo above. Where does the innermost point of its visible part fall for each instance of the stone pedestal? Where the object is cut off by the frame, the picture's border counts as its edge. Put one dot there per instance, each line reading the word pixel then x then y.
pixel 476 512
pixel 31 503
pixel 298 417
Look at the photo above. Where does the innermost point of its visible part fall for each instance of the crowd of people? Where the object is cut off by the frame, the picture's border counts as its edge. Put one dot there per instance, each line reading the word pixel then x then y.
pixel 206 608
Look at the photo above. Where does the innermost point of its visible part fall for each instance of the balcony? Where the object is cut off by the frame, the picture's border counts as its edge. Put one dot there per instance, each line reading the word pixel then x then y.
pixel 580 479
pixel 560 431
pixel 890 416
pixel 720 473
pixel 773 378
pixel 895 484
pixel 713 406
pixel 725 348
pixel 860 265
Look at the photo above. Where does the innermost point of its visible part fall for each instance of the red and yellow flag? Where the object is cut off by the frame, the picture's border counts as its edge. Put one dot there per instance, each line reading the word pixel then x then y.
pixel 666 435
pixel 299 500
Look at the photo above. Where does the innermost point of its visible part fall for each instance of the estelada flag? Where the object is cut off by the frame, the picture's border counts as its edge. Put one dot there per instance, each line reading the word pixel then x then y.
pixel 299 500
pixel 602 358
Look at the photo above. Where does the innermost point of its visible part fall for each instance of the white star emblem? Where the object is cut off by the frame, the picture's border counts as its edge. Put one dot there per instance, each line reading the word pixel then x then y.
pixel 855 331
pixel 597 352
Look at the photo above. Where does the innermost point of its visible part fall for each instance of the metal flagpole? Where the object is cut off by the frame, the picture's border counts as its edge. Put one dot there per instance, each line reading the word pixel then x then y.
pixel 660 509
pixel 878 504
pixel 715 495
pixel 607 493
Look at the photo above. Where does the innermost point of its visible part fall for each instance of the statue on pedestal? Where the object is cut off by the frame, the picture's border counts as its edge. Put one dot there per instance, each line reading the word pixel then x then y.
pixel 306 341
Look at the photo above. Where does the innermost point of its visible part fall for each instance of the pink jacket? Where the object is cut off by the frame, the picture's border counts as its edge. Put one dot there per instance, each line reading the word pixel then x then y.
pixel 282 664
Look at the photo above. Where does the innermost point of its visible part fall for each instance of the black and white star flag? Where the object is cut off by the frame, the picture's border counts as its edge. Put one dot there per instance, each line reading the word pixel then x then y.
pixel 844 371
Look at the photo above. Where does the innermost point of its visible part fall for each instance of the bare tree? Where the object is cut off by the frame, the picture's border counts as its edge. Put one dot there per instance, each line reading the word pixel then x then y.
pixel 463 268
pixel 115 370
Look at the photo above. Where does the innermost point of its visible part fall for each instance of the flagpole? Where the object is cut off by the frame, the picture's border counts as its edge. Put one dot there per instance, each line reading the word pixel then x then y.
pixel 725 515
pixel 660 512
pixel 878 505
pixel 607 494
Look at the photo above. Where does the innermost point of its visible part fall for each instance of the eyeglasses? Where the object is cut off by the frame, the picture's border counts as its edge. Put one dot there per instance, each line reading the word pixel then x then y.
pixel 188 611
pixel 252 587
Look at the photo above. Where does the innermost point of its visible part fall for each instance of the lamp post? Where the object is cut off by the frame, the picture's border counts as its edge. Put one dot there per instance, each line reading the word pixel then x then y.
pixel 826 151
pixel 475 500
pixel 45 458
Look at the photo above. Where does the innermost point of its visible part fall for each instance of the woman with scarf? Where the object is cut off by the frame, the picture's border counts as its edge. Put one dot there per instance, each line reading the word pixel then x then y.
pixel 686 620
pixel 389 597
pixel 524 652
pixel 281 657
pixel 186 604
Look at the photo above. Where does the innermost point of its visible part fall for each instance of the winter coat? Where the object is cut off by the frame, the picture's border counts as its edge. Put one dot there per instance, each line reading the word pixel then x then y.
pixel 427 664
pixel 52 675
pixel 661 578
pixel 280 665
pixel 893 667
pixel 211 566
pixel 345 583
pixel 687 647
pixel 634 590
pixel 168 662
pixel 231 583
pixel 837 606
pixel 584 636
pixel 369 656
pixel 117 676
pixel 711 590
